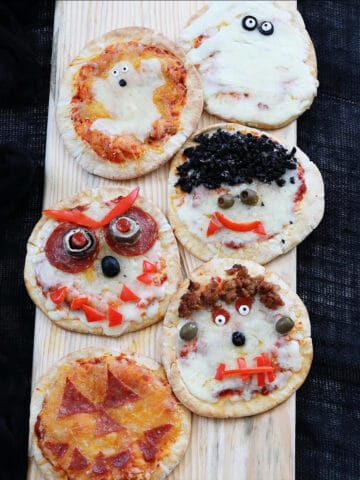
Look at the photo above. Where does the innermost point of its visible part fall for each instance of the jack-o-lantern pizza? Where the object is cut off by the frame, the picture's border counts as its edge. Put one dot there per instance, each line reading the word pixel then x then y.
pixel 104 262
pixel 256 61
pixel 236 340
pixel 127 102
pixel 236 192
pixel 109 415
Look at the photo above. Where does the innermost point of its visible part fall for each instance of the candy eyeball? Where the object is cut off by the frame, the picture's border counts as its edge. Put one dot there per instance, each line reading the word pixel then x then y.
pixel 266 28
pixel 249 22
pixel 124 68
pixel 221 316
pixel 243 305
pixel 115 72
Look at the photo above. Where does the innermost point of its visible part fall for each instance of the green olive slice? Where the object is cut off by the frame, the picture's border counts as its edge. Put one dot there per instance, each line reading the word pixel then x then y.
pixel 284 325
pixel 249 197
pixel 226 201
pixel 188 331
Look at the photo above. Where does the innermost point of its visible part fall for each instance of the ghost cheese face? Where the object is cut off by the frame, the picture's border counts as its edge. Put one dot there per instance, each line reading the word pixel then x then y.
pixel 237 192
pixel 127 94
pixel 127 102
pixel 239 339
pixel 101 266
pixel 255 59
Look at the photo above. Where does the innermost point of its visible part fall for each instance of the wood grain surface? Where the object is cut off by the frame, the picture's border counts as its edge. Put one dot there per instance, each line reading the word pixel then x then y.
pixel 255 448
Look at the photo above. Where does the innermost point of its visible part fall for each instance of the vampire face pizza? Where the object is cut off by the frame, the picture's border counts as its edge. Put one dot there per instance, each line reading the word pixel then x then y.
pixel 101 265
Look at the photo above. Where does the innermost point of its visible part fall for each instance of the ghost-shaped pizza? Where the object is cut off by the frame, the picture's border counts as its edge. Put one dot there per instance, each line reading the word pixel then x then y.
pixel 236 340
pixel 233 191
pixel 92 416
pixel 256 61
pixel 128 102
pixel 104 262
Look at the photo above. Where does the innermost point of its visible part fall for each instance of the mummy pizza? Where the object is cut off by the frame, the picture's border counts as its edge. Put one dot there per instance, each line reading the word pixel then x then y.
pixel 128 102
pixel 92 416
pixel 256 61
pixel 234 191
pixel 236 340
pixel 102 262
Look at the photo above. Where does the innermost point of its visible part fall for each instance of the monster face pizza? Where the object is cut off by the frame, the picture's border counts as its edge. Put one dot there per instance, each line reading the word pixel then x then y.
pixel 93 416
pixel 236 340
pixel 234 191
pixel 128 102
pixel 256 61
pixel 102 262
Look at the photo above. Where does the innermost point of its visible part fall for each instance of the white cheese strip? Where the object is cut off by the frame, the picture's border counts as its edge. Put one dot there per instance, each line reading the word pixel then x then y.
pixel 246 75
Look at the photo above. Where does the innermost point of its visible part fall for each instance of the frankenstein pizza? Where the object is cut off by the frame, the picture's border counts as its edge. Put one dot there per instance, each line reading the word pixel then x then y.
pixel 106 415
pixel 128 102
pixel 235 192
pixel 104 262
pixel 236 340
pixel 256 61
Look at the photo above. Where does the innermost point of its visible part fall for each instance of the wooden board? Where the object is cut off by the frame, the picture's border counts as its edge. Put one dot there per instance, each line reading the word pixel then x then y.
pixel 255 448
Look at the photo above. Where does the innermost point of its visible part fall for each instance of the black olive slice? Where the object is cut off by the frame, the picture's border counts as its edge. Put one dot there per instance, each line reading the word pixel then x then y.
pixel 266 28
pixel 249 22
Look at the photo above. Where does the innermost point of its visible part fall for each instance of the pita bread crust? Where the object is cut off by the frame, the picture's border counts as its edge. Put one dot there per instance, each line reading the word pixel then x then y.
pixel 44 385
pixel 311 61
pixel 309 214
pixel 225 408
pixel 168 246
pixel 151 160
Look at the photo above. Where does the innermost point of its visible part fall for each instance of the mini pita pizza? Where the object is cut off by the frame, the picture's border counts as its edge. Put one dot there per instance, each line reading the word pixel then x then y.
pixel 236 192
pixel 92 416
pixel 236 340
pixel 128 102
pixel 256 61
pixel 104 262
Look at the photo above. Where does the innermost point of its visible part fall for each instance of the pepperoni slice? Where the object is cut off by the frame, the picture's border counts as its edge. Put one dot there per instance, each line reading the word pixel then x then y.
pixel 39 432
pixel 57 449
pixel 154 435
pixel 78 461
pixel 59 258
pixel 118 393
pixel 148 450
pixel 148 235
pixel 74 402
pixel 100 464
pixel 119 460
pixel 105 425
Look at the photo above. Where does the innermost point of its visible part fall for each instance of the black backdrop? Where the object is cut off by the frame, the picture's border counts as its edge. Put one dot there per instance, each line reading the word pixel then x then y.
pixel 328 423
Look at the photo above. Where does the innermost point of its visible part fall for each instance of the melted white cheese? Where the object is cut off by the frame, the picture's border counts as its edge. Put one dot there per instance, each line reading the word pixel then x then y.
pixel 246 75
pixel 92 283
pixel 131 106
pixel 277 210
pixel 214 346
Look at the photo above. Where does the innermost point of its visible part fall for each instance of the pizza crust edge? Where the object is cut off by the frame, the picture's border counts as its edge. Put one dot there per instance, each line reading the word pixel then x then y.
pixel 225 408
pixel 166 238
pixel 44 384
pixel 309 214
pixel 83 153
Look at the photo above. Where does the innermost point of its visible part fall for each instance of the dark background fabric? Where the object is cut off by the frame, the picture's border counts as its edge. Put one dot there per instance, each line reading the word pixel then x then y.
pixel 328 423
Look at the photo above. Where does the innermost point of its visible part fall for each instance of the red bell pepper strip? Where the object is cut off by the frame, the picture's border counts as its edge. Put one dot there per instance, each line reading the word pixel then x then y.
pixel 75 216
pixel 214 226
pixel 260 376
pixel 149 267
pixel 58 295
pixel 78 302
pixel 221 372
pixel 267 362
pixel 115 317
pixel 146 278
pixel 256 226
pixel 242 364
pixel 128 295
pixel 92 315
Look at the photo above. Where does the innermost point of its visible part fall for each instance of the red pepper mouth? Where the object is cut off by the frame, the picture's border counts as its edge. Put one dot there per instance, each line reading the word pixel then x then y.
pixel 263 368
